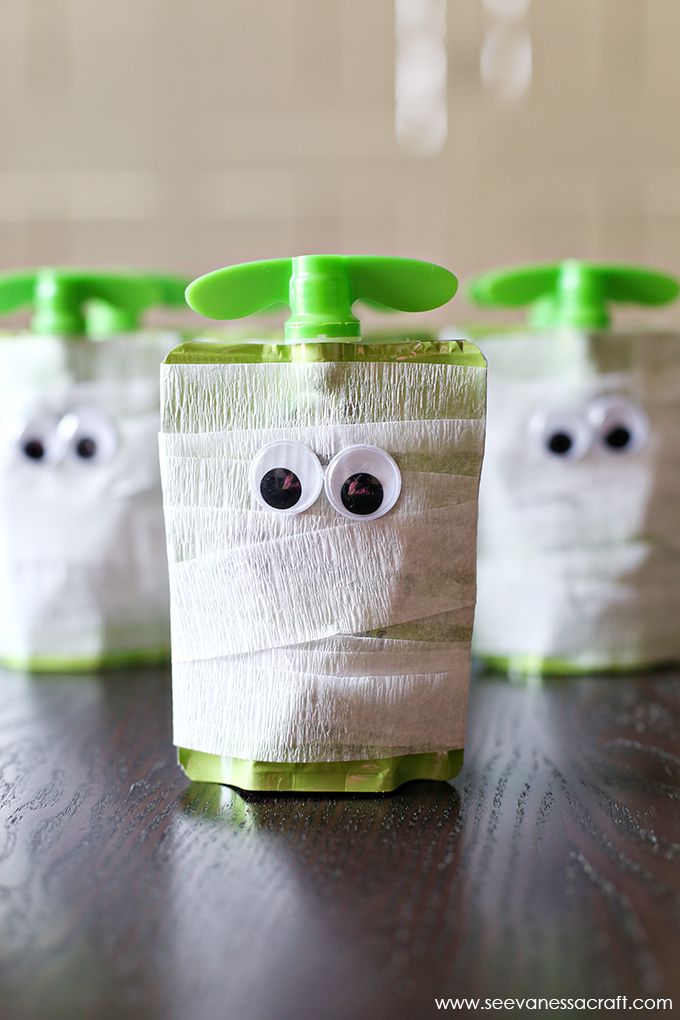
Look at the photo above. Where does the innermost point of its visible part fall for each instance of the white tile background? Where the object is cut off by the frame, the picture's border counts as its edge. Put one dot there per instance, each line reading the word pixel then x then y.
pixel 190 135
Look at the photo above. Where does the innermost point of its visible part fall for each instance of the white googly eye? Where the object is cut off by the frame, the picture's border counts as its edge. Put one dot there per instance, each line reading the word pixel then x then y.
pixel 621 426
pixel 286 477
pixel 561 434
pixel 89 435
pixel 39 441
pixel 362 482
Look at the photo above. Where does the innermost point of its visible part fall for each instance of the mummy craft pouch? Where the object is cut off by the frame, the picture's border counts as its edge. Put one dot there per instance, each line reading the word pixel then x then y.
pixel 579 546
pixel 83 571
pixel 321 502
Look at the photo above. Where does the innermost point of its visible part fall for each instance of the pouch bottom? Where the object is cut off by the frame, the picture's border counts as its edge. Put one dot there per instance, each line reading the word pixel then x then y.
pixel 379 775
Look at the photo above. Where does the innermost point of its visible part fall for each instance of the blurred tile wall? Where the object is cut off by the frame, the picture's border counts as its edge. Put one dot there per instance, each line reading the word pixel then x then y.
pixel 190 135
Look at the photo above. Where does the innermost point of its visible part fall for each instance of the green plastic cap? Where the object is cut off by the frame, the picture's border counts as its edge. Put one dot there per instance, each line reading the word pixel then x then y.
pixel 78 302
pixel 320 290
pixel 572 293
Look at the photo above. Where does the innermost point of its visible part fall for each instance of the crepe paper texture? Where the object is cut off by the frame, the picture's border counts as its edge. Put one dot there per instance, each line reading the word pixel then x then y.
pixel 318 650
pixel 579 553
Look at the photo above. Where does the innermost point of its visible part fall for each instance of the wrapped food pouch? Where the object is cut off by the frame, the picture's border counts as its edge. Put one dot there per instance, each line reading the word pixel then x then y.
pixel 320 499
pixel 83 571
pixel 579 550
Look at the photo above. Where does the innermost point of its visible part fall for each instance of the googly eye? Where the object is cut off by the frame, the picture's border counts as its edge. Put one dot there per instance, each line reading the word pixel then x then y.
pixel 39 442
pixel 621 426
pixel 89 435
pixel 286 477
pixel 362 482
pixel 561 434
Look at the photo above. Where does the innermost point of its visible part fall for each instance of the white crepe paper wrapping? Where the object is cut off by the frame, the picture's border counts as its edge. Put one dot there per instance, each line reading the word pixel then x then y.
pixel 579 559
pixel 312 637
pixel 83 568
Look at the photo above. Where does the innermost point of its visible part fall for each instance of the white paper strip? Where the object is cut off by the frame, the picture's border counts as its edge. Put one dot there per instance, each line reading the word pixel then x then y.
pixel 205 398
pixel 449 445
pixel 230 711
pixel 342 580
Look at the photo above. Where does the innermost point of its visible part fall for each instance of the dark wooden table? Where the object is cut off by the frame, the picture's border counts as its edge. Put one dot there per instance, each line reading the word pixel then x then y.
pixel 550 867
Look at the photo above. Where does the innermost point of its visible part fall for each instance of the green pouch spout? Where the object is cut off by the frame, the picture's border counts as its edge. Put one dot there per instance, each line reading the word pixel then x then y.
pixel 572 293
pixel 320 291
pixel 84 302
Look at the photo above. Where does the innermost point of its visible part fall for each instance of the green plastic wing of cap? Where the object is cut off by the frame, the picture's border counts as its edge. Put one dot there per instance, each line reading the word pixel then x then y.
pixel 572 293
pixel 77 302
pixel 320 290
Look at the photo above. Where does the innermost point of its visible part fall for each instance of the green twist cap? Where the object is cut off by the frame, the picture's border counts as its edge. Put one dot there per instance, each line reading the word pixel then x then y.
pixel 77 302
pixel 320 290
pixel 572 293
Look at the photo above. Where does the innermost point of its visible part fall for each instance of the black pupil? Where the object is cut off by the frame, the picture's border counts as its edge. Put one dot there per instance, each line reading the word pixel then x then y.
pixel 362 494
pixel 560 443
pixel 618 438
pixel 281 488
pixel 86 447
pixel 34 449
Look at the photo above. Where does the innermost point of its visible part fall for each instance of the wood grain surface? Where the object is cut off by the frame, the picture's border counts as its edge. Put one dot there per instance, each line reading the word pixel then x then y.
pixel 550 867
